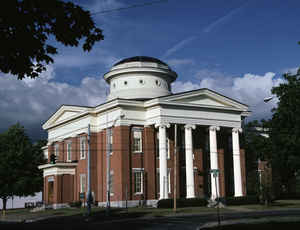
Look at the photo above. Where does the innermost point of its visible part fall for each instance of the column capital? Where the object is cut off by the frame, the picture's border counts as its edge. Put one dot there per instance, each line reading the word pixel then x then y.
pixel 214 128
pixel 162 125
pixel 190 126
pixel 236 130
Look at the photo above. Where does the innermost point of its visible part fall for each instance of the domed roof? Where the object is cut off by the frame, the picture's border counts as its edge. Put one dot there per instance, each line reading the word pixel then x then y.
pixel 141 59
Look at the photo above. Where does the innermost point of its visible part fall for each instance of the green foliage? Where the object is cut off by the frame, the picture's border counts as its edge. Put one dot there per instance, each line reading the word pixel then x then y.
pixel 257 146
pixel 182 202
pixel 28 25
pixel 19 160
pixel 75 204
pixel 240 200
pixel 285 129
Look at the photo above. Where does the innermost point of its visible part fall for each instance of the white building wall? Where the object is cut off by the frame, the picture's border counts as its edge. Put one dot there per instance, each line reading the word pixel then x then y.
pixel 19 202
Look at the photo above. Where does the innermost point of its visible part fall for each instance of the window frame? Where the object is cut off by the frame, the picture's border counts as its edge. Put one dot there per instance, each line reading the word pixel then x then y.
pixel 83 185
pixel 140 180
pixel 69 151
pixel 140 144
pixel 56 149
pixel 158 180
pixel 82 148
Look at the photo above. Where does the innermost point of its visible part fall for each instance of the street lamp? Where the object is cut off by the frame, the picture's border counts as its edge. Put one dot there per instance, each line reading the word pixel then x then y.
pixel 108 152
pixel 267 99
pixel 215 173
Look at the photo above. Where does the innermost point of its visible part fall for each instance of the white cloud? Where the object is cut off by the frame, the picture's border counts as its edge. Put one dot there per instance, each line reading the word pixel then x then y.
pixel 293 70
pixel 31 102
pixel 250 89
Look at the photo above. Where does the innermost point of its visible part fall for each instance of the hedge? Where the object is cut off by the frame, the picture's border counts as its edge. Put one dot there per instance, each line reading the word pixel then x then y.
pixel 240 200
pixel 182 202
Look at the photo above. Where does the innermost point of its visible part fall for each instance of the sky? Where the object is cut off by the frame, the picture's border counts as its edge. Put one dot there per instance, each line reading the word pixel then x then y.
pixel 235 47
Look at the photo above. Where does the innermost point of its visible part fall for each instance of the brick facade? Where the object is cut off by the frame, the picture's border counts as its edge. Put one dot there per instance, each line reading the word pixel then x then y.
pixel 65 188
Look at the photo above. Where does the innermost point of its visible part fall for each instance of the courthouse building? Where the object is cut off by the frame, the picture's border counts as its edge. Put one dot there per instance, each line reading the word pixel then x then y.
pixel 132 141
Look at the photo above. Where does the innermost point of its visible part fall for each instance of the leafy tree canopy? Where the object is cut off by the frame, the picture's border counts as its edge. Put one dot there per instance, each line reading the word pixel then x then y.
pixel 27 25
pixel 19 160
pixel 285 131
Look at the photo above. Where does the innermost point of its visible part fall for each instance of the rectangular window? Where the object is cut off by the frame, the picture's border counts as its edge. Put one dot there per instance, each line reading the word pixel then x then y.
pixel 69 151
pixel 82 147
pixel 110 139
pixel 56 150
pixel 137 141
pixel 82 183
pixel 111 183
pixel 138 181
pixel 157 181
pixel 167 180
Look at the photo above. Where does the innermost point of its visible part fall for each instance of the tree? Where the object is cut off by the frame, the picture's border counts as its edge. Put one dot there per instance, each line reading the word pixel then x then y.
pixel 258 146
pixel 19 160
pixel 28 25
pixel 285 129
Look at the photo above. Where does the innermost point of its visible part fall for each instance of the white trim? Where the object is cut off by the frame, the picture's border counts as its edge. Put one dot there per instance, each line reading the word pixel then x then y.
pixel 58 171
pixel 82 148
pixel 69 149
pixel 81 184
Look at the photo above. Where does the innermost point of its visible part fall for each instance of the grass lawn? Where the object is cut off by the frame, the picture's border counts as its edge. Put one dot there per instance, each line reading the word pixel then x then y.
pixel 118 213
pixel 276 205
pixel 261 226
pixel 97 212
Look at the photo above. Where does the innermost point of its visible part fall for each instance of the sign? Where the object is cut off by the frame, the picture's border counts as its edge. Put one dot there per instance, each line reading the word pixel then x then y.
pixel 215 172
pixel 50 179
pixel 81 195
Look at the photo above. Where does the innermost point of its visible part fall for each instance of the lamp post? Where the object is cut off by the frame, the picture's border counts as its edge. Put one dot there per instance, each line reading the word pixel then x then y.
pixel 215 173
pixel 89 194
pixel 108 152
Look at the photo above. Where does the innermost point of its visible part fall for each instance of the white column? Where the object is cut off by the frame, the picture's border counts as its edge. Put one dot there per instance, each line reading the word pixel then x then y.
pixel 190 186
pixel 213 160
pixel 163 170
pixel 238 191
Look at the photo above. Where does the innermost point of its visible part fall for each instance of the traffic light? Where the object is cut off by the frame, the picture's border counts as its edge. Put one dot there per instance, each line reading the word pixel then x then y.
pixel 52 158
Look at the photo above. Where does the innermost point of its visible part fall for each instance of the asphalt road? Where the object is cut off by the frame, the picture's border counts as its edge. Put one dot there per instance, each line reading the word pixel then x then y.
pixel 186 222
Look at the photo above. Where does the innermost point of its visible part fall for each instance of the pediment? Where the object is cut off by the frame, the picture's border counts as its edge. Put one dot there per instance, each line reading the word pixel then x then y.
pixel 64 113
pixel 203 100
pixel 206 97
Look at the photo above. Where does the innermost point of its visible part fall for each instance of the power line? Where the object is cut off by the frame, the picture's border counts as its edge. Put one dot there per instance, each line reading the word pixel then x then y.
pixel 129 7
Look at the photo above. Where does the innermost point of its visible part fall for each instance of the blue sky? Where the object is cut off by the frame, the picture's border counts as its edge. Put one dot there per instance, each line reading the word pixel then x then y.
pixel 238 48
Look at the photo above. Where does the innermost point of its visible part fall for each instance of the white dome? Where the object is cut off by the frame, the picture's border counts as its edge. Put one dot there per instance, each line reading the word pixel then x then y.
pixel 140 78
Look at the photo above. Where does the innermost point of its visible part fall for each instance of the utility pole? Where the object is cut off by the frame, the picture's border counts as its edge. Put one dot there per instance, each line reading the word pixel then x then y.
pixel 89 195
pixel 175 168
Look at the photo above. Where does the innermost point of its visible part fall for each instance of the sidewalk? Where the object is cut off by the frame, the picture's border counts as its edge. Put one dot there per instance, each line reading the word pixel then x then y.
pixel 118 215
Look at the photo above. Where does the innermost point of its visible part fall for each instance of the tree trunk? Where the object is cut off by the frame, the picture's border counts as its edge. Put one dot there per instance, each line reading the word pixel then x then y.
pixel 4 200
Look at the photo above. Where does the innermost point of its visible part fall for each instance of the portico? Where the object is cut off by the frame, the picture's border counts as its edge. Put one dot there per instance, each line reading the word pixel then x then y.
pixel 189 160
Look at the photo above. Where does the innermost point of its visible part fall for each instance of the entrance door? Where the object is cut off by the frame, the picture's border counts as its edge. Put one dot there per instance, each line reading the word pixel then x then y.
pixel 50 192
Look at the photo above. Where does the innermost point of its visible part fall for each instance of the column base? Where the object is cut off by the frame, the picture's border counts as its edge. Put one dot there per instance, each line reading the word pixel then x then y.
pixel 238 194
pixel 190 197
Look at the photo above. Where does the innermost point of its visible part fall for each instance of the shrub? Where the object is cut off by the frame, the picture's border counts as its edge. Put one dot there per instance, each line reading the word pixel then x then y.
pixel 75 204
pixel 240 200
pixel 182 202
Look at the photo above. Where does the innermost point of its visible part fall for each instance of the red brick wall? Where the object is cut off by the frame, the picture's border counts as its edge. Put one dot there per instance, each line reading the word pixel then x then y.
pixel 149 157
pixel 243 171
